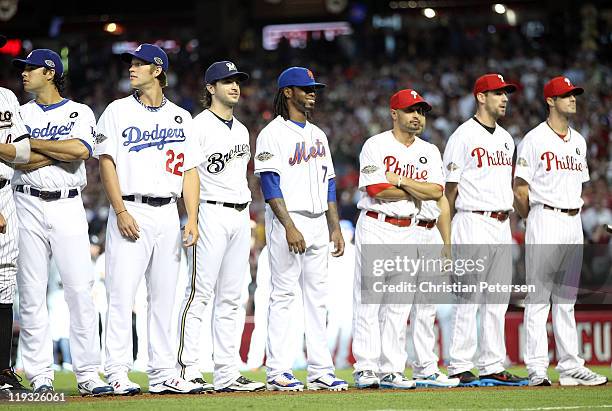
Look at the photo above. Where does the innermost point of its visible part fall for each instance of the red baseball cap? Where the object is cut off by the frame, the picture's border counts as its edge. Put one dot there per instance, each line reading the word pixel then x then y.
pixel 559 86
pixel 407 98
pixel 493 81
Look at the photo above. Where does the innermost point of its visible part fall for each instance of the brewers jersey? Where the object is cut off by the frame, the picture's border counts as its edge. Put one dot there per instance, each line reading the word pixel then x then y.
pixel 61 121
pixel 420 161
pixel 302 158
pixel 554 167
pixel 226 153
pixel 481 164
pixel 151 148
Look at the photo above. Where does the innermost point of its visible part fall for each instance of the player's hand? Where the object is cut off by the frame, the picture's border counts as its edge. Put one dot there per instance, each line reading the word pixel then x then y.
pixel 338 240
pixel 128 227
pixel 392 178
pixel 446 252
pixel 295 240
pixel 2 224
pixel 190 234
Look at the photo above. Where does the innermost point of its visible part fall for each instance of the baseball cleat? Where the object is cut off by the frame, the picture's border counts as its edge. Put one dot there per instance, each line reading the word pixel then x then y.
pixel 397 380
pixel 366 379
pixel 436 380
pixel 243 384
pixel 502 378
pixel 95 387
pixel 539 380
pixel 466 379
pixel 123 386
pixel 285 382
pixel 42 385
pixel 208 387
pixel 10 383
pixel 582 376
pixel 176 385
pixel 328 382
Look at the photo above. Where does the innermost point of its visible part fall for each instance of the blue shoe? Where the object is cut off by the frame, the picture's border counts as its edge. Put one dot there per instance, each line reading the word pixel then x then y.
pixel 466 379
pixel 328 382
pixel 397 380
pixel 503 378
pixel 95 387
pixel 366 379
pixel 285 382
pixel 436 380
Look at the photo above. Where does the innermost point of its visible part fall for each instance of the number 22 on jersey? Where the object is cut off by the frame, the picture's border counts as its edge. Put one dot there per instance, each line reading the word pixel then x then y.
pixel 174 163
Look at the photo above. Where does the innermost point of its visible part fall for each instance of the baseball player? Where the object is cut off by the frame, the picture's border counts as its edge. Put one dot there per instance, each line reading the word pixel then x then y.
pixel 294 162
pixel 478 162
pixel 551 167
pixel 148 155
pixel 52 222
pixel 221 256
pixel 398 169
pixel 14 148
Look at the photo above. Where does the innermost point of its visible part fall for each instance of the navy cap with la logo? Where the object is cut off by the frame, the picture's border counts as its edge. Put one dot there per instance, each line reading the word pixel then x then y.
pixel 149 53
pixel 42 58
pixel 223 69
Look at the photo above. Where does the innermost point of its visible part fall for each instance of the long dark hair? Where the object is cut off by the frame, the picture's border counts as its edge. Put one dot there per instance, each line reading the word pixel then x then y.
pixel 281 107
pixel 206 99
pixel 59 81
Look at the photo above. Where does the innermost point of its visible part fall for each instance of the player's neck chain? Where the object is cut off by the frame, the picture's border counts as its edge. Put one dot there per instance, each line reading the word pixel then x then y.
pixel 150 108
pixel 565 137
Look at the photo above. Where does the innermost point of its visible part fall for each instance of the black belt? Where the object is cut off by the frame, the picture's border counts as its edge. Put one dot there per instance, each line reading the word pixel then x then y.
pixel 152 201
pixel 569 211
pixel 497 215
pixel 236 206
pixel 428 224
pixel 3 183
pixel 47 195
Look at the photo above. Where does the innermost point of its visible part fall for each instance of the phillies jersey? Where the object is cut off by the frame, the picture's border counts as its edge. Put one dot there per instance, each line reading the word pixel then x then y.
pixel 11 125
pixel 151 147
pixel 60 121
pixel 420 161
pixel 481 164
pixel 554 167
pixel 226 153
pixel 302 158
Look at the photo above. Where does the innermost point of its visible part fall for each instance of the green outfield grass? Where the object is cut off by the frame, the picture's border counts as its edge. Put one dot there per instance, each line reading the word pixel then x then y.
pixel 543 398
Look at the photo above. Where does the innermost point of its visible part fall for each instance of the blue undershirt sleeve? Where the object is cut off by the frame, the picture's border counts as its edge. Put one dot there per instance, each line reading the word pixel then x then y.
pixel 270 185
pixel 331 190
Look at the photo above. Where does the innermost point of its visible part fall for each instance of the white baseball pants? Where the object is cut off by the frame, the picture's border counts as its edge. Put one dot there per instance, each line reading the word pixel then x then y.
pixel 218 275
pixel 379 329
pixel 55 228
pixel 487 233
pixel 155 256
pixel 288 272
pixel 545 228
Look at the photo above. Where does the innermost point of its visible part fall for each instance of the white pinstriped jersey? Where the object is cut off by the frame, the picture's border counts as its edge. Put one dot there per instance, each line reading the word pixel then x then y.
pixel 62 121
pixel 481 164
pixel 226 153
pixel 554 168
pixel 302 158
pixel 151 149
pixel 420 161
pixel 11 125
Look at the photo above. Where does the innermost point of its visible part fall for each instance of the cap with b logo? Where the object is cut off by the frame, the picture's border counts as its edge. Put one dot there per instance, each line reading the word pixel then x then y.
pixel 223 69
pixel 559 86
pixel 490 82
pixel 42 58
pixel 298 77
pixel 149 53
pixel 408 98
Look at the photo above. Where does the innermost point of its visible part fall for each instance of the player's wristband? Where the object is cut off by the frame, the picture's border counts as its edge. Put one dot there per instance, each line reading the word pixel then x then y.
pixel 121 212
pixel 22 151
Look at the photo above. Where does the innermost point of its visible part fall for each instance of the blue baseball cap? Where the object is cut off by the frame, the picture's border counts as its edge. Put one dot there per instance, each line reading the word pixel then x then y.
pixel 299 77
pixel 148 52
pixel 223 69
pixel 42 58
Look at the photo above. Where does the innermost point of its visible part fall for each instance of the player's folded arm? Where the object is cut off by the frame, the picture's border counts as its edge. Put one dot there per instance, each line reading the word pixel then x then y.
pixel 73 149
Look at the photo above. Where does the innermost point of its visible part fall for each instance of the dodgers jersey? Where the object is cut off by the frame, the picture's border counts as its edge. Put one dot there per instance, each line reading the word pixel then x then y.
pixel 420 161
pixel 302 158
pixel 226 153
pixel 11 125
pixel 151 148
pixel 481 164
pixel 61 121
pixel 554 168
